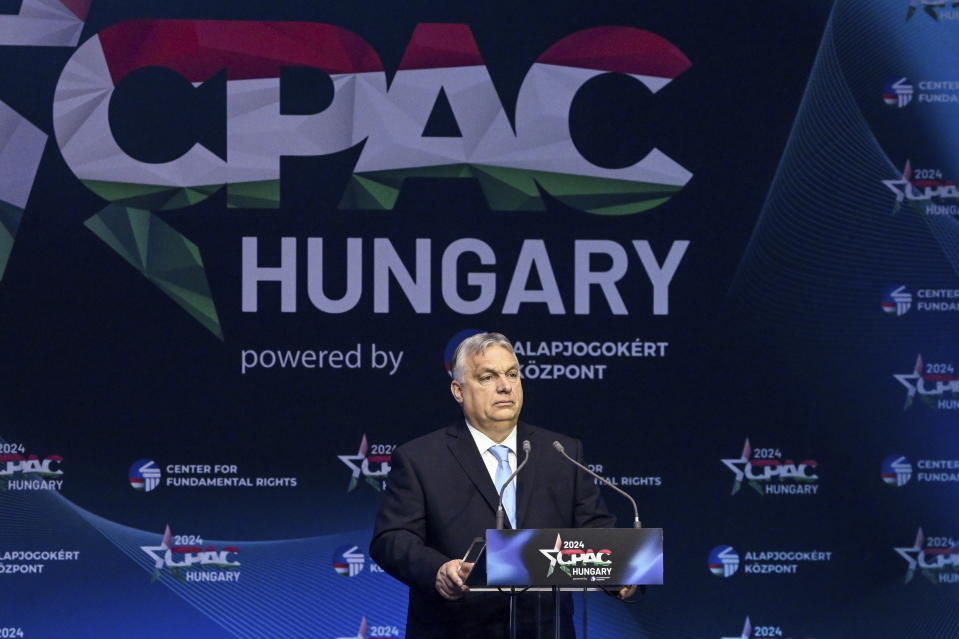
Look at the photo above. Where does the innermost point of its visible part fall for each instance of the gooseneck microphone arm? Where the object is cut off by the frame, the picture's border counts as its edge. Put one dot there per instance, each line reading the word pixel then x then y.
pixel 636 522
pixel 500 512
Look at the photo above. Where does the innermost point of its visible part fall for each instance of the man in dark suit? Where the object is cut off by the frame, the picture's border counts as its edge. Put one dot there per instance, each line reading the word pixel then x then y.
pixel 442 493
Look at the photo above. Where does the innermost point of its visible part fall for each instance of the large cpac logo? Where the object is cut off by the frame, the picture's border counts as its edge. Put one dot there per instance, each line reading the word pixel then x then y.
pixel 382 120
pixel 511 162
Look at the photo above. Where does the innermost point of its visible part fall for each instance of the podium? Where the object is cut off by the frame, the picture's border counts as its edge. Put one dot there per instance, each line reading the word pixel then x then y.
pixel 565 559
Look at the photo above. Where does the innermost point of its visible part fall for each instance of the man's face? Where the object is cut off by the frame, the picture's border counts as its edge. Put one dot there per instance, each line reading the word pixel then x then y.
pixel 491 392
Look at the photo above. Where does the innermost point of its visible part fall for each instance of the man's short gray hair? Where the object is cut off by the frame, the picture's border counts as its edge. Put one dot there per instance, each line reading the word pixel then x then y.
pixel 476 345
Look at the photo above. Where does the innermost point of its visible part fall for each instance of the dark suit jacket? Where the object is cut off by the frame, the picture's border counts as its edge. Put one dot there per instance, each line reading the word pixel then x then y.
pixel 439 497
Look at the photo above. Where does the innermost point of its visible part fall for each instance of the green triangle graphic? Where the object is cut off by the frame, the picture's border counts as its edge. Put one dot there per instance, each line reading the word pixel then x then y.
pixel 10 217
pixel 164 256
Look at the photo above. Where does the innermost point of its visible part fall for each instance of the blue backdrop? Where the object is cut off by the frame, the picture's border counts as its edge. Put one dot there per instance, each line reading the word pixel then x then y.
pixel 725 239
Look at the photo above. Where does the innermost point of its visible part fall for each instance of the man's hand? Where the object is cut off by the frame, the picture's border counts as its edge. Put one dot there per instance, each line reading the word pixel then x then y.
pixel 626 592
pixel 623 593
pixel 449 579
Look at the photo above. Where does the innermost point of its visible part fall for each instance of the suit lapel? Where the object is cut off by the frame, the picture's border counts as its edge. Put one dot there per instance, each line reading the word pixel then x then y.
pixel 463 447
pixel 527 477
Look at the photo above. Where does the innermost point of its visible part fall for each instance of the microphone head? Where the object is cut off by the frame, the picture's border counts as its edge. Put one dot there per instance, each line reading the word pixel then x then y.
pixel 526 446
pixel 559 447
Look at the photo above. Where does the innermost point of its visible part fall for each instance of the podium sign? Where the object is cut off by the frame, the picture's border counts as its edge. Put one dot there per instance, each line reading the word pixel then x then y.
pixel 581 557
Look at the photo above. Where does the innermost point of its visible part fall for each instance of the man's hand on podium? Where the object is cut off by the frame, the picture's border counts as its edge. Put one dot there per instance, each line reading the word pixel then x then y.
pixel 450 576
pixel 623 593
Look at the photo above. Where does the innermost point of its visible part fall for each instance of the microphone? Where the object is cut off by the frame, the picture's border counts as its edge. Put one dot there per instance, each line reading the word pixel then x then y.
pixel 636 522
pixel 500 511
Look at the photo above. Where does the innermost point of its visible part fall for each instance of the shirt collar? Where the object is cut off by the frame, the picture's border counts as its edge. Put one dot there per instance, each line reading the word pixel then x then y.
pixel 483 442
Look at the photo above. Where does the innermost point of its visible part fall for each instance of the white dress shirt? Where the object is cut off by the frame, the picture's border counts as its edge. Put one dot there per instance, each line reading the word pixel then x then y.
pixel 484 443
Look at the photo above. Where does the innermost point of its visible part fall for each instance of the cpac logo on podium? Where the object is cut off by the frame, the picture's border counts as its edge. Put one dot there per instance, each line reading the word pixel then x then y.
pixel 577 561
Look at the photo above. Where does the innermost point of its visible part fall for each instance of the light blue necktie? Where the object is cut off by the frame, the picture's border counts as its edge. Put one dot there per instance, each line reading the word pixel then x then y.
pixel 503 471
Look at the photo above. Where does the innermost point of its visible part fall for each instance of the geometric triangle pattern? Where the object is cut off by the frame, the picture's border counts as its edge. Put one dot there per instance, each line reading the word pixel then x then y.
pixel 619 50
pixel 248 50
pixel 258 135
pixel 511 189
pixel 45 23
pixel 21 149
pixel 10 217
pixel 442 71
pixel 150 196
pixel 164 256
pixel 440 45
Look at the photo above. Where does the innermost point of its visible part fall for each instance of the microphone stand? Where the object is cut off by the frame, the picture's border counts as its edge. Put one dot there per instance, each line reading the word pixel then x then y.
pixel 500 525
pixel 500 511
pixel 636 522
